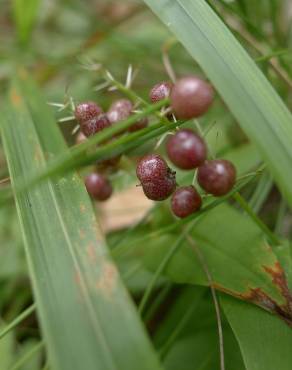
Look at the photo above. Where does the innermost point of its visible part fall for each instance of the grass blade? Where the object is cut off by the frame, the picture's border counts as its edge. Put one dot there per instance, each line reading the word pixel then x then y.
pixel 87 317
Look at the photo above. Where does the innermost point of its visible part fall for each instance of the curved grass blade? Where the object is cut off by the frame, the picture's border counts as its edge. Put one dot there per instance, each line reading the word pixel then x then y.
pixel 87 318
pixel 248 94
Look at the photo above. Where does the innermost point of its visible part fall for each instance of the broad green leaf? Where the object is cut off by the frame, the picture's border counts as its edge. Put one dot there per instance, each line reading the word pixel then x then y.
pixel 87 318
pixel 265 342
pixel 240 261
pixel 248 94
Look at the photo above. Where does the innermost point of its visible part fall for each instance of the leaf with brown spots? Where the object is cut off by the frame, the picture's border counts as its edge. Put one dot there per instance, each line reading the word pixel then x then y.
pixel 79 294
pixel 240 261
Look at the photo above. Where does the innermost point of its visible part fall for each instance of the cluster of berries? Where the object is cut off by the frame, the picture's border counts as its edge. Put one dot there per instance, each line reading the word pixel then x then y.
pixel 92 119
pixel 190 97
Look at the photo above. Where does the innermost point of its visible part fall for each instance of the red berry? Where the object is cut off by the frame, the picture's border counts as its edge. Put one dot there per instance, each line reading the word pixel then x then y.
pixel 217 177
pixel 139 125
pixel 160 91
pixel 191 97
pixel 95 125
pixel 160 188
pixel 186 149
pixel 119 110
pixel 185 201
pixel 150 167
pixel 98 186
pixel 86 111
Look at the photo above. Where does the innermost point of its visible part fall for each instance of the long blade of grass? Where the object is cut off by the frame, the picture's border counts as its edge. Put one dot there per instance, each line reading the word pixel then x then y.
pixel 248 94
pixel 87 318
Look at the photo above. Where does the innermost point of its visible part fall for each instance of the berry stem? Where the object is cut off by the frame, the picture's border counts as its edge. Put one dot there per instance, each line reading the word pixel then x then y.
pixel 136 98
pixel 270 235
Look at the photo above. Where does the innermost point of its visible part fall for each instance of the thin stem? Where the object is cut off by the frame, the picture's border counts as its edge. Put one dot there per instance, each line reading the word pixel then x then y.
pixel 214 296
pixel 180 325
pixel 270 235
pixel 280 217
pixel 27 356
pixel 171 252
pixel 261 192
pixel 18 320
pixel 157 302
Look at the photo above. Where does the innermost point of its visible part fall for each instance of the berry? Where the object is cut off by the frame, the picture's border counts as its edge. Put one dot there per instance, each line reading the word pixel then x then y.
pixel 80 138
pixel 120 110
pixel 95 125
pixel 139 125
pixel 186 149
pixel 191 97
pixel 160 188
pixel 217 177
pixel 185 201
pixel 98 186
pixel 150 167
pixel 86 111
pixel 160 91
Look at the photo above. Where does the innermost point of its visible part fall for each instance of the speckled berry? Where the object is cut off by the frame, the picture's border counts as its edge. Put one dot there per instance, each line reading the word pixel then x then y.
pixel 120 110
pixel 95 125
pixel 186 149
pixel 217 177
pixel 160 189
pixel 139 125
pixel 191 97
pixel 160 91
pixel 185 201
pixel 150 167
pixel 98 187
pixel 86 111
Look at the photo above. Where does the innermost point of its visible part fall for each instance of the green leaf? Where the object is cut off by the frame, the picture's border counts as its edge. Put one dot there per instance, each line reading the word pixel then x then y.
pixel 240 260
pixel 248 94
pixel 264 340
pixel 85 312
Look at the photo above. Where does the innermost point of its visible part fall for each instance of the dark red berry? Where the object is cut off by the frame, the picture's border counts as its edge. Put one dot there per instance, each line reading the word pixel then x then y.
pixel 120 110
pixel 98 186
pixel 217 177
pixel 95 125
pixel 86 111
pixel 80 138
pixel 160 188
pixel 185 201
pixel 139 125
pixel 191 97
pixel 150 167
pixel 186 149
pixel 160 91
